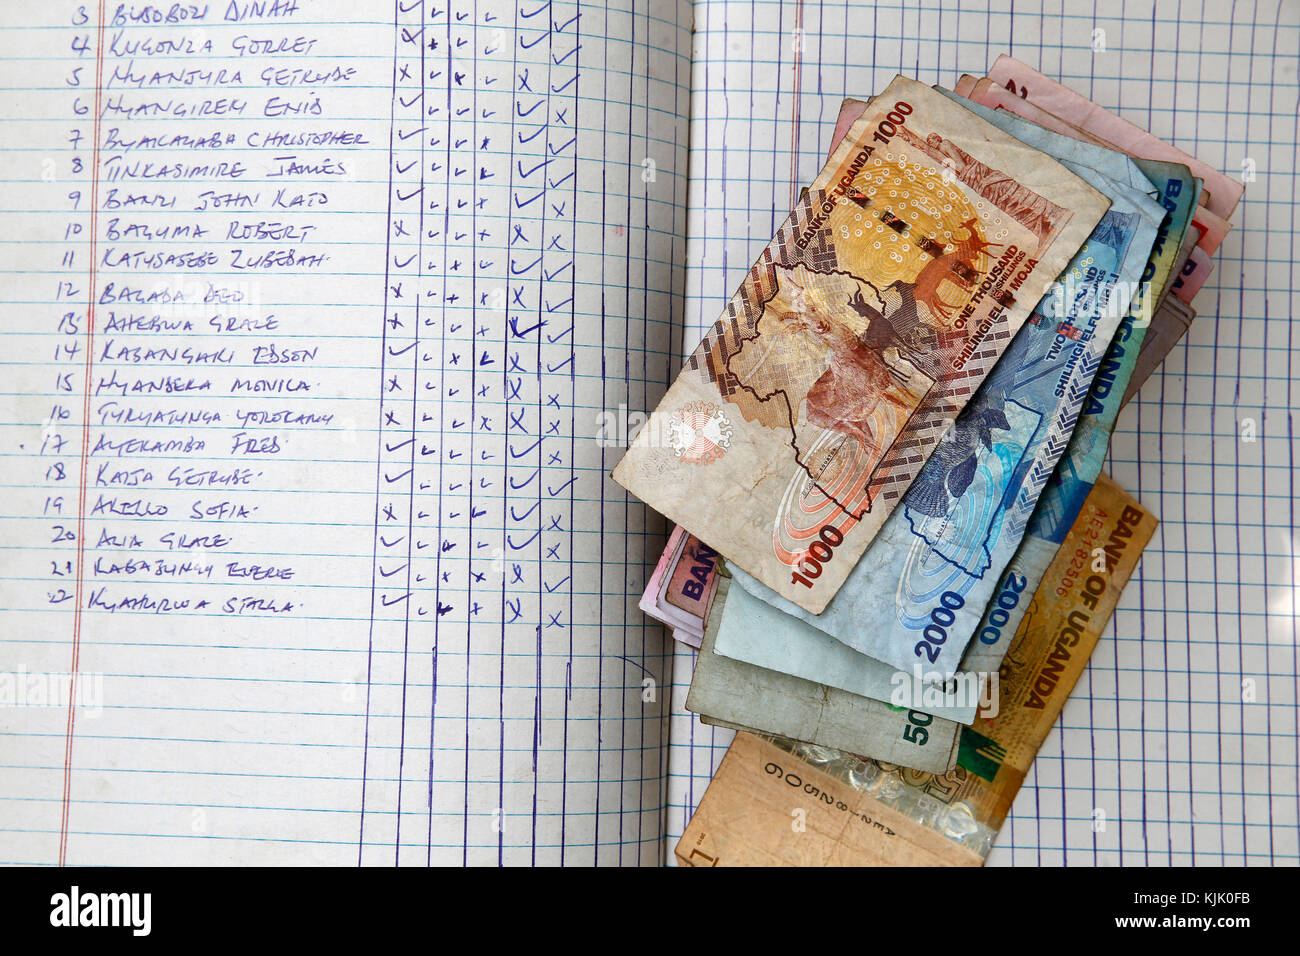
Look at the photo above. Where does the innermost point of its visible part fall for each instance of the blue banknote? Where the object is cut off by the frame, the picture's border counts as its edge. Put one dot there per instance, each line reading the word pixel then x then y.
pixel 1059 504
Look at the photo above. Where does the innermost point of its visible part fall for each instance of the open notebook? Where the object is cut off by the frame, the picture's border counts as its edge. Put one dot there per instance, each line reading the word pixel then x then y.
pixel 327 322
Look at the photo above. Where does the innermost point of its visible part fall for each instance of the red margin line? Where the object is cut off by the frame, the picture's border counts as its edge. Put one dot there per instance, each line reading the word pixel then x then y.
pixel 85 443
pixel 797 71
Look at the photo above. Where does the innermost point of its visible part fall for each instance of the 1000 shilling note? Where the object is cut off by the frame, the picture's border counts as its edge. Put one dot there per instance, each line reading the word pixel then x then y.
pixel 920 588
pixel 858 812
pixel 859 334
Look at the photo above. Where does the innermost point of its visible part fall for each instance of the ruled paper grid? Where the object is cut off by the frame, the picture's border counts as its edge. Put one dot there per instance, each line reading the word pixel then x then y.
pixel 470 733
pixel 1158 757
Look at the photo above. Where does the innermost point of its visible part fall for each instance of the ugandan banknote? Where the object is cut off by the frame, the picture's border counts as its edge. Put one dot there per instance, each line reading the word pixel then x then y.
pixel 857 812
pixel 767 806
pixel 1170 323
pixel 936 759
pixel 1184 265
pixel 916 596
pixel 1083 458
pixel 1179 192
pixel 1192 277
pixel 1210 229
pixel 680 591
pixel 859 334
pixel 743 697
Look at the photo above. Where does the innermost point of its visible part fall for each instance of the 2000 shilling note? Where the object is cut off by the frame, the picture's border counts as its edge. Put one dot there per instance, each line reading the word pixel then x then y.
pixel 1058 505
pixel 1070 483
pixel 855 339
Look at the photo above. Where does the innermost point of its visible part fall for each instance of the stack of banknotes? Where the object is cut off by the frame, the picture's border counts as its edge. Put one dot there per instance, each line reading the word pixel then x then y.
pixel 895 547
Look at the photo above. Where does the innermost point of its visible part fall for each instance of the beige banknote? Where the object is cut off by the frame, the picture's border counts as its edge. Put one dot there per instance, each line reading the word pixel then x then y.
pixel 855 812
pixel 768 807
pixel 856 338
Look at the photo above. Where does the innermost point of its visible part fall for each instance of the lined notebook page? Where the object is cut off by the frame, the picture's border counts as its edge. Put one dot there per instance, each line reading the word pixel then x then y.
pixel 313 311
pixel 1180 743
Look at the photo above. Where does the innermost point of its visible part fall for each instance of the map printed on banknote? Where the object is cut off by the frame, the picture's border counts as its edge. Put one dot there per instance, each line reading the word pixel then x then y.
pixel 856 338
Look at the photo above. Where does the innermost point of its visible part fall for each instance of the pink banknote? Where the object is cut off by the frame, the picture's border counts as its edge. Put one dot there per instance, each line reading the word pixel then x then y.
pixel 1210 227
pixel 681 589
pixel 1028 83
